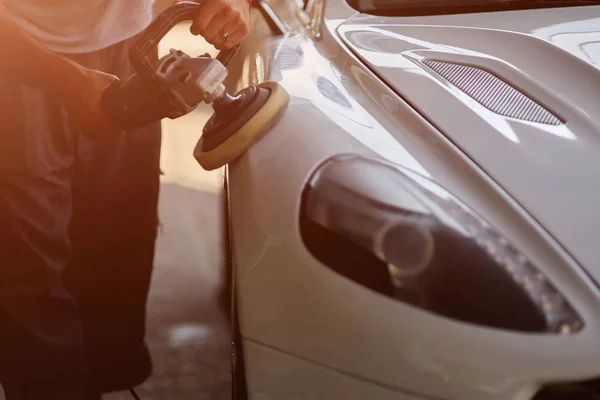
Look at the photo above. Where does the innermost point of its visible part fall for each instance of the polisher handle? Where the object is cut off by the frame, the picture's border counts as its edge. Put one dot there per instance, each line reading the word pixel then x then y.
pixel 140 54
pixel 148 40
pixel 141 98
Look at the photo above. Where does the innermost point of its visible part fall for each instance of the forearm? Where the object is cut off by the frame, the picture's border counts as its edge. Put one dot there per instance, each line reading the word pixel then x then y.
pixel 26 60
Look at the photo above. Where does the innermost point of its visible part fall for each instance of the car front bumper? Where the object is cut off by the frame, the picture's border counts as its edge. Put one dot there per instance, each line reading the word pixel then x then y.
pixel 272 374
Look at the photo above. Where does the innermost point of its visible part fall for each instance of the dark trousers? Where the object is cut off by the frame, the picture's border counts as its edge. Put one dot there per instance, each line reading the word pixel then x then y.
pixel 78 222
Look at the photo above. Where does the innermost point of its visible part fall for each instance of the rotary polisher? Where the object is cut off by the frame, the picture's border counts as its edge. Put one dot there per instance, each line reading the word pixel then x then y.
pixel 174 85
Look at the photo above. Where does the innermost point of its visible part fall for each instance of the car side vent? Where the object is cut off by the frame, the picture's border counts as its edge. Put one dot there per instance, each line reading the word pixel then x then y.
pixel 493 93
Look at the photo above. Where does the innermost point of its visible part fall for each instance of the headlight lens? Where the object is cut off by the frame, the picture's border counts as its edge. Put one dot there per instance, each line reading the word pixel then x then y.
pixel 406 237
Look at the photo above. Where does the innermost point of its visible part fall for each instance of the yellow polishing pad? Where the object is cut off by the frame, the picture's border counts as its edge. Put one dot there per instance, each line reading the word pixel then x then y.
pixel 248 134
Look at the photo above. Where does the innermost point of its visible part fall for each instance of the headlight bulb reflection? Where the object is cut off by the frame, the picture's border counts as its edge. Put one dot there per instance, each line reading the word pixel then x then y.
pixel 407 248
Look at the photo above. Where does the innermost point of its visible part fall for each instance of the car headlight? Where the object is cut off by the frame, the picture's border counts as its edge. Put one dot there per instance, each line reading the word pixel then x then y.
pixel 407 238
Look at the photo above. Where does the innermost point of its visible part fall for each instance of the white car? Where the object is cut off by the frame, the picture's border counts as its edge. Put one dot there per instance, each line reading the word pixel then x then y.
pixel 423 222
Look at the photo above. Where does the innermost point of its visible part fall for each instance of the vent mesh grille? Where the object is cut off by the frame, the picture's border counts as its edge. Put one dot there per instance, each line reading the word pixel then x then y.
pixel 493 93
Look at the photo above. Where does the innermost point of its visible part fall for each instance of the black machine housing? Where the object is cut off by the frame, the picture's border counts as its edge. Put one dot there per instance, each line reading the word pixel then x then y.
pixel 170 87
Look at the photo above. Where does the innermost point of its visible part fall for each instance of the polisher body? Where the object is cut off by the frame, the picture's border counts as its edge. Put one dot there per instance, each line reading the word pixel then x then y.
pixel 177 83
pixel 181 83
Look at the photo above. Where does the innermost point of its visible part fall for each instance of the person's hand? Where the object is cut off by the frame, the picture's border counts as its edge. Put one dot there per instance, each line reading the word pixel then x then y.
pixel 223 23
pixel 82 98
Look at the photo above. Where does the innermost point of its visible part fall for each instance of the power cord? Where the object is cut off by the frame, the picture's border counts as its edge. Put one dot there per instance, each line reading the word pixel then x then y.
pixel 134 394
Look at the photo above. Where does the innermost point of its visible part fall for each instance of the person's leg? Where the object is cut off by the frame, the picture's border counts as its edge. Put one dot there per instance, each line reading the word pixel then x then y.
pixel 114 227
pixel 41 349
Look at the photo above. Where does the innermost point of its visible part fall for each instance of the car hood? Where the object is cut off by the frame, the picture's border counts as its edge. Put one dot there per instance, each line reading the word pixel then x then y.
pixel 518 92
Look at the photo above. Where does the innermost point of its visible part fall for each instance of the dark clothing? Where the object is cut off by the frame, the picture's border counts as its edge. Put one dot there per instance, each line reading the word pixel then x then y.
pixel 78 222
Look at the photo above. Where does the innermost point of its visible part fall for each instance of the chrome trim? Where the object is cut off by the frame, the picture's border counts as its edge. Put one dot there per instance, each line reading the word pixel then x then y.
pixel 276 24
pixel 311 17
pixel 239 389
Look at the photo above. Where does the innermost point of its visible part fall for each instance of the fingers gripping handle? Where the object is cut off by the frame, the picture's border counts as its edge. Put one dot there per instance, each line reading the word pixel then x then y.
pixel 147 42
pixel 141 53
